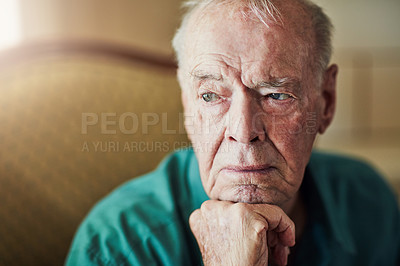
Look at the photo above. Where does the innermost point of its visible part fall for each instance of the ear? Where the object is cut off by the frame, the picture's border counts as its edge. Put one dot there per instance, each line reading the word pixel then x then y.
pixel 328 98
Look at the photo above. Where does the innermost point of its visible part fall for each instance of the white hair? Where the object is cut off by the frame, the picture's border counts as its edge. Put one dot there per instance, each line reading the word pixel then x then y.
pixel 266 12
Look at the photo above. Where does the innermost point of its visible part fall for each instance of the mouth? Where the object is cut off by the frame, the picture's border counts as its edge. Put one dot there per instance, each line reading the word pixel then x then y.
pixel 248 183
pixel 261 169
pixel 257 175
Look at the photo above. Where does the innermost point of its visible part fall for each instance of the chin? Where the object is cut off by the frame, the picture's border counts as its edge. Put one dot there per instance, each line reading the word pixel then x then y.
pixel 254 194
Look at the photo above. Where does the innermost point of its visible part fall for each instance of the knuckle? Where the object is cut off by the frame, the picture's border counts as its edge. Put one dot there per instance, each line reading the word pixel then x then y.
pixel 260 227
pixel 194 216
pixel 275 209
pixel 291 224
pixel 239 209
pixel 205 206
pixel 292 227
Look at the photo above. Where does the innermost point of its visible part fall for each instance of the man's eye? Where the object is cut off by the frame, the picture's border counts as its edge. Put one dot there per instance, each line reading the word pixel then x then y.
pixel 279 96
pixel 210 97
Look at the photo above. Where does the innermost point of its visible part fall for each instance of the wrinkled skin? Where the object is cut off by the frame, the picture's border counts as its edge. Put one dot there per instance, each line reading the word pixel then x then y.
pixel 253 106
pixel 242 233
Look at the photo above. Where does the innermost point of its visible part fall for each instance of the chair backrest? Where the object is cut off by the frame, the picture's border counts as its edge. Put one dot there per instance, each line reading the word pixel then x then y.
pixel 76 121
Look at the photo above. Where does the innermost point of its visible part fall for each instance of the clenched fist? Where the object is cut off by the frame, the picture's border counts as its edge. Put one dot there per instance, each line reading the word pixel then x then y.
pixel 242 234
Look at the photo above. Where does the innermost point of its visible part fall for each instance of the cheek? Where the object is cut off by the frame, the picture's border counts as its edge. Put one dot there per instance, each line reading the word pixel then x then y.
pixel 205 129
pixel 206 126
pixel 293 135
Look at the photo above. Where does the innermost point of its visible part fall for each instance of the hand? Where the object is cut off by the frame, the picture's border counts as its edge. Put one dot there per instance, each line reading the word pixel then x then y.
pixel 242 234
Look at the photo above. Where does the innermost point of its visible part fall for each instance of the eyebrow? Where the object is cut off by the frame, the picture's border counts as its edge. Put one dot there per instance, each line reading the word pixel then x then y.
pixel 278 83
pixel 290 82
pixel 201 75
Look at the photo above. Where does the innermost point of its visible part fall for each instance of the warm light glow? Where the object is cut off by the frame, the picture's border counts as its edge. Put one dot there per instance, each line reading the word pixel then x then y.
pixel 10 31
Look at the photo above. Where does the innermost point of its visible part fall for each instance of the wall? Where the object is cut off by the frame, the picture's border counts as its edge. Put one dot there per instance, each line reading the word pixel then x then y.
pixel 367 50
pixel 147 24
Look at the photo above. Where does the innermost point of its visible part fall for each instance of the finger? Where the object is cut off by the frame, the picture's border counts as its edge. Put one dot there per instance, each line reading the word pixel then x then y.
pixel 212 209
pixel 272 238
pixel 280 254
pixel 277 221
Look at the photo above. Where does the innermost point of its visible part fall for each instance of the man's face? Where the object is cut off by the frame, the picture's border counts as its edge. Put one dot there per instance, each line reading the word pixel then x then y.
pixel 251 102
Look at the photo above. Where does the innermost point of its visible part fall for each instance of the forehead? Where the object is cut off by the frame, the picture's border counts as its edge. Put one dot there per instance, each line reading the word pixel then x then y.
pixel 222 35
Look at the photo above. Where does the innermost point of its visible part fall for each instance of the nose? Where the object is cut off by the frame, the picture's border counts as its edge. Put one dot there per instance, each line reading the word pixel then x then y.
pixel 245 120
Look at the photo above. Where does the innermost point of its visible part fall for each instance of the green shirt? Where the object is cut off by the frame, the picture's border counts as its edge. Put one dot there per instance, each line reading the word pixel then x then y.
pixel 353 217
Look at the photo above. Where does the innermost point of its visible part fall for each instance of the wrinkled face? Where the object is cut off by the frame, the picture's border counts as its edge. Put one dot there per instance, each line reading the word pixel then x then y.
pixel 252 105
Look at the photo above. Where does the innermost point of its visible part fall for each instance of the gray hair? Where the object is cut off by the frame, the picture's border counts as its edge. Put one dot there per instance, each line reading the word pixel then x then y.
pixel 266 11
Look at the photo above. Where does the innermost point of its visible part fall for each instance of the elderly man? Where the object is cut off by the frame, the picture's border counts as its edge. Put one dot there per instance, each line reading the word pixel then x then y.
pixel 256 89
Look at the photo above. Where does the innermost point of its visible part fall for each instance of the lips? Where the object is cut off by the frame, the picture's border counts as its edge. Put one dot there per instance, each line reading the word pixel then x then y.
pixel 248 169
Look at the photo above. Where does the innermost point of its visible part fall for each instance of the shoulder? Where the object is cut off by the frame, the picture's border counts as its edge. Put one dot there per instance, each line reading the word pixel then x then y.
pixel 119 229
pixel 326 162
pixel 154 191
pixel 343 170
pixel 360 200
pixel 350 177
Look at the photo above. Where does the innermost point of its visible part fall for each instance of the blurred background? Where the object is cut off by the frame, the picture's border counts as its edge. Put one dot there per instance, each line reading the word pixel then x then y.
pixel 88 100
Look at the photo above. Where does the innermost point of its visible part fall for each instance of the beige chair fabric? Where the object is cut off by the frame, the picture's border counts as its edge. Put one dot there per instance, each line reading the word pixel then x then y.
pixel 56 160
